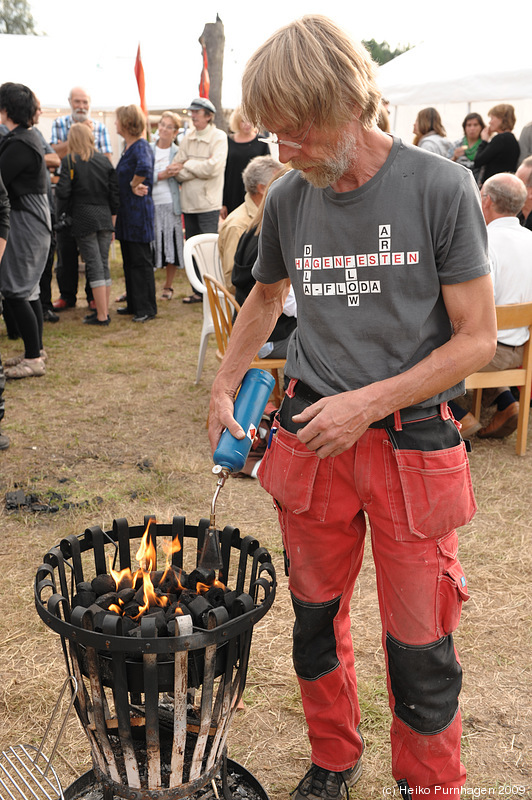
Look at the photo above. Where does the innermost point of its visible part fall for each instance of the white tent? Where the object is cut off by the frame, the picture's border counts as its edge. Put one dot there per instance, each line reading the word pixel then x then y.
pixel 457 77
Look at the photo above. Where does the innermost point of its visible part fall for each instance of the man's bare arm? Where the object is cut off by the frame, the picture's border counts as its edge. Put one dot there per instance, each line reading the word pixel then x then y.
pixel 335 423
pixel 254 323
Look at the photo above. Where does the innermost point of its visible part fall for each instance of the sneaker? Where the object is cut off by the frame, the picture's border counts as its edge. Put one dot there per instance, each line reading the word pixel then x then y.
pixel 321 784
pixel 49 315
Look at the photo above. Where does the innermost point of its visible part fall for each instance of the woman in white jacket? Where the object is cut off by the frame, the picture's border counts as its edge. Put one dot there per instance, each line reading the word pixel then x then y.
pixel 200 167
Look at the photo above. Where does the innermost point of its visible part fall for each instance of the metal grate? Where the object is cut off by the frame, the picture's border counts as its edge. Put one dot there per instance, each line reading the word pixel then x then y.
pixel 25 772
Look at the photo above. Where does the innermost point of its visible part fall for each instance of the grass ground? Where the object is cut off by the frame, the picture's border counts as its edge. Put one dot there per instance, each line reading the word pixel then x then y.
pixel 116 428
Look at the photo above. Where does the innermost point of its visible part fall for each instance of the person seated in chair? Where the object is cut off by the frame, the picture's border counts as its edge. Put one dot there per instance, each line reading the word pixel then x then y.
pixel 510 249
pixel 256 177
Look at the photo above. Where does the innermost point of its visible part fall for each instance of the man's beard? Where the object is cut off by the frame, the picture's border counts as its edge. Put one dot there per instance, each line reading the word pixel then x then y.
pixel 80 115
pixel 330 170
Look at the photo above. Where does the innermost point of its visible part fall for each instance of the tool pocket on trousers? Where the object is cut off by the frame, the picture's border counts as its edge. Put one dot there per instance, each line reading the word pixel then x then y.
pixel 437 490
pixel 295 477
pixel 452 592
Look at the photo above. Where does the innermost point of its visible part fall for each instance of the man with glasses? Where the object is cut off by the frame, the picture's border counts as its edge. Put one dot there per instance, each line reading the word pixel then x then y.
pixel 385 248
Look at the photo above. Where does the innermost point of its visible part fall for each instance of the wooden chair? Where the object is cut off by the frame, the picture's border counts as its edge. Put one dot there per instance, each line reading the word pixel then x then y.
pixel 223 305
pixel 515 315
pixel 201 255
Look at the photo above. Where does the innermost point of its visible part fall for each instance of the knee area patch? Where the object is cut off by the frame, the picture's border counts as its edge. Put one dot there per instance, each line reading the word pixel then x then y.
pixel 314 641
pixel 425 681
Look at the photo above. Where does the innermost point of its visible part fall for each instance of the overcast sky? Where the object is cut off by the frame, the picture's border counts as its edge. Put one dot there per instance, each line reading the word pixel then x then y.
pixel 172 29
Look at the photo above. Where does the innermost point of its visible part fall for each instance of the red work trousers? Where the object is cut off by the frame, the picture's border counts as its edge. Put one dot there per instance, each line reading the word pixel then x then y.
pixel 414 500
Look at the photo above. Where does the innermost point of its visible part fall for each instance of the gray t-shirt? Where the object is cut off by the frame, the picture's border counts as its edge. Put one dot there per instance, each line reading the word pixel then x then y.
pixel 367 265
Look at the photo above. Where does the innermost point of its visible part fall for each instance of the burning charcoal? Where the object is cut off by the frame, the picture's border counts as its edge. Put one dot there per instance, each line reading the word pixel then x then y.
pixel 156 577
pixel 177 610
pixel 106 600
pixel 168 596
pixel 229 599
pixel 98 616
pixel 200 575
pixel 84 598
pixel 131 609
pixel 126 595
pixel 84 586
pixel 102 584
pixel 187 596
pixel 128 625
pixel 139 595
pixel 215 596
pixel 197 608
pixel 160 621
pixel 125 582
pixel 174 580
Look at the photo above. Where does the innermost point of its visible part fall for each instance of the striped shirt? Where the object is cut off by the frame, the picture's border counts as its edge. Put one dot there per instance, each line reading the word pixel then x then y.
pixel 61 127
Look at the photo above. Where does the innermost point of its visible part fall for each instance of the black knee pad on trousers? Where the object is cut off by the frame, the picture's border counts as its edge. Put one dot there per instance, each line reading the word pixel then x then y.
pixel 314 643
pixel 425 682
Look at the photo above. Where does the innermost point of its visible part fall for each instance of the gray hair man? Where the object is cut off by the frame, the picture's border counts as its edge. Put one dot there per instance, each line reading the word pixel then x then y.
pixel 256 177
pixel 510 251
pixel 385 248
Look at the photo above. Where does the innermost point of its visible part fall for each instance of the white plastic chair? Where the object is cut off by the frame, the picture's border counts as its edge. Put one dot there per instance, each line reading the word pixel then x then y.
pixel 201 255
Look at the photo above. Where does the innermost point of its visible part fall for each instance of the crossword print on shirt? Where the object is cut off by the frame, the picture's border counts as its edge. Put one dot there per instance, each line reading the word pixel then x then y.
pixel 352 275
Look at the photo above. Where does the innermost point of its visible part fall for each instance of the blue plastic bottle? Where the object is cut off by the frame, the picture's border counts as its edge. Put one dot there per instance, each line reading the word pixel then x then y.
pixel 231 453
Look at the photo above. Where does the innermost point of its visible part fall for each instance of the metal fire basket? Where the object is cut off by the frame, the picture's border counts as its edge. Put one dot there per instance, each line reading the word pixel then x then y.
pixel 156 708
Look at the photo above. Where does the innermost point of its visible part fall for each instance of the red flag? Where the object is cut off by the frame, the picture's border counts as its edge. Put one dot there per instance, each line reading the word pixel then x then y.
pixel 205 81
pixel 139 75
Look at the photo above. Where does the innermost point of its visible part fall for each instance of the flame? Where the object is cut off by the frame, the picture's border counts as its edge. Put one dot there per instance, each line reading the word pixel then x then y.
pixel 170 547
pixel 146 555
pixel 124 577
pixel 149 596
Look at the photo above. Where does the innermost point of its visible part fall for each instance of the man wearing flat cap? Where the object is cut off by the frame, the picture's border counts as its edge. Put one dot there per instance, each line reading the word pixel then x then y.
pixel 199 167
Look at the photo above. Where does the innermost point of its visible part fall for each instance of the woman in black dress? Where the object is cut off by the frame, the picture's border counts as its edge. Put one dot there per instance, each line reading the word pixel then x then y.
pixel 24 174
pixel 499 149
pixel 243 145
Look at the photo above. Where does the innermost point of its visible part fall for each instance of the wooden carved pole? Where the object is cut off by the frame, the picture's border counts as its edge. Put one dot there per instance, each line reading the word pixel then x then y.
pixel 213 37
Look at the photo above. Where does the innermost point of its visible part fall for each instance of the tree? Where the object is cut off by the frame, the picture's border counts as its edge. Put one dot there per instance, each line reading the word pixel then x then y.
pixel 16 17
pixel 381 53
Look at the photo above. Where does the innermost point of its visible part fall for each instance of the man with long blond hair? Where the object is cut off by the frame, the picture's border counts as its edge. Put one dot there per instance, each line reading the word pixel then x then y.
pixel 385 248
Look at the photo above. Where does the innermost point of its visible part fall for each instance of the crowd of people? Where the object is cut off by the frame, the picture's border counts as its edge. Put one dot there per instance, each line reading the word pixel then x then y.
pixel 179 184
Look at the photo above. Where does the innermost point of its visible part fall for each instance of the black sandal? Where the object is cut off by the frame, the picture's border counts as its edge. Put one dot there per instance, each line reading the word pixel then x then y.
pixel 193 298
